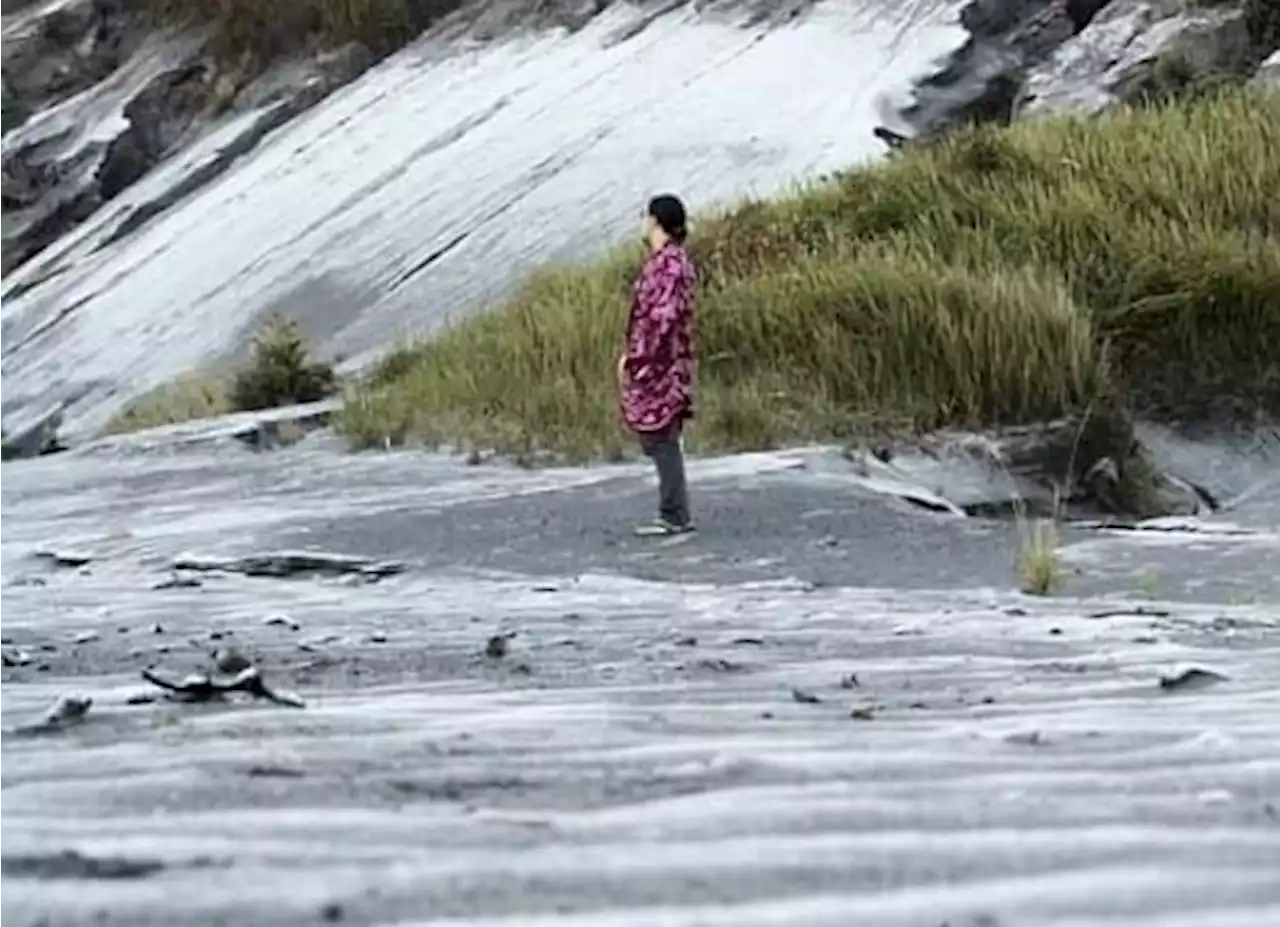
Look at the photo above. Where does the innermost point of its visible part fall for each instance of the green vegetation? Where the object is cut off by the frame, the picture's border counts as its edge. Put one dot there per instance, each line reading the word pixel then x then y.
pixel 268 28
pixel 1002 275
pixel 1039 563
pixel 280 372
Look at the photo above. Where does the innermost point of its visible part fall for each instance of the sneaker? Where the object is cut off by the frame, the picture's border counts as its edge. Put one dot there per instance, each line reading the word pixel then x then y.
pixel 660 527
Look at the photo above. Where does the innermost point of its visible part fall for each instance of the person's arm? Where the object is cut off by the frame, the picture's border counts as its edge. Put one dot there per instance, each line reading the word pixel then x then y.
pixel 658 308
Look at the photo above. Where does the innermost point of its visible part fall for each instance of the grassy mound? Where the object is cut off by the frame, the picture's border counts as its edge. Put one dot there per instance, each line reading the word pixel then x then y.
pixel 997 277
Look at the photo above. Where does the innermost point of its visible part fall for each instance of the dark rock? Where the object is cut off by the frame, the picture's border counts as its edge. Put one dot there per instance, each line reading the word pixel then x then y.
pixel 274 772
pixel 982 80
pixel 198 688
pixel 1268 74
pixel 176 581
pixel 1137 611
pixel 1070 468
pixel 65 558
pixel 805 698
pixel 1138 50
pixel 863 713
pixel 849 681
pixel 231 661
pixel 293 563
pixel 1191 679
pixel 496 647
pixel 67 711
pixel 70 864
pixel 16 657
pixel 720 665
pixel 1025 739
pixel 35 435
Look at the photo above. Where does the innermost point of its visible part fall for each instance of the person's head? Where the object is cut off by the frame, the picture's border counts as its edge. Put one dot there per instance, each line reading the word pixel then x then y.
pixel 665 220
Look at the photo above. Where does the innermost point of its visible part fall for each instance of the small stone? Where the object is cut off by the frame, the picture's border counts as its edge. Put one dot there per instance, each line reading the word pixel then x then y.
pixel 49 648
pixel 378 637
pixel 163 648
pixel 1193 678
pixel 157 628
pixel 123 629
pixel 177 581
pixel 140 698
pixel 1055 631
pixel 496 648
pixel 230 661
pixel 805 698
pixel 689 641
pixel 332 913
pixel 849 681
pixel 281 621
pixel 1025 738
pixel 86 637
pixel 218 635
pixel 865 713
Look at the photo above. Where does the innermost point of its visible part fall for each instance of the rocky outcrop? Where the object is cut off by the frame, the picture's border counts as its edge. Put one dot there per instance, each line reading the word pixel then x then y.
pixel 1073 468
pixel 981 81
pixel 1268 75
pixel 1024 57
pixel 112 99
pixel 1137 49
pixel 35 435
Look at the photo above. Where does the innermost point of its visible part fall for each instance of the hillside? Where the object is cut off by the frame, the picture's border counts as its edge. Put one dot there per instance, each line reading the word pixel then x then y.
pixel 436 179
pixel 1001 276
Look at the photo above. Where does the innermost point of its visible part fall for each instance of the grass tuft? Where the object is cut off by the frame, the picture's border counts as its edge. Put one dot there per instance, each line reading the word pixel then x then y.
pixel 1001 276
pixel 201 394
pixel 1039 563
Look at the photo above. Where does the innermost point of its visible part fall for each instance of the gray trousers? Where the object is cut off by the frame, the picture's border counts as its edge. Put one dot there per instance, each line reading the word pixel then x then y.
pixel 663 448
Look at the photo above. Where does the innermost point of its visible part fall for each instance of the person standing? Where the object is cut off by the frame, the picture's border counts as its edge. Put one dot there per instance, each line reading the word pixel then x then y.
pixel 655 369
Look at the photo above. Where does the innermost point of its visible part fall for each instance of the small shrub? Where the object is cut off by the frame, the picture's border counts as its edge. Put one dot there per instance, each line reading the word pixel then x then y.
pixel 280 371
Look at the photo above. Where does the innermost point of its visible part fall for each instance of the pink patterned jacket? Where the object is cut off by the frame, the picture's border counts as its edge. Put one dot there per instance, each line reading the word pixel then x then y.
pixel 658 389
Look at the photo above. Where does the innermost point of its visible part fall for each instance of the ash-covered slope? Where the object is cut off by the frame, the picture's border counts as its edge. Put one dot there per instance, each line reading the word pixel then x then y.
pixel 426 186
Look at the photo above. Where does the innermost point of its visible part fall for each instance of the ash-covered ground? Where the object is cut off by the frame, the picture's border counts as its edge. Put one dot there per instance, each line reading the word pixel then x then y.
pixel 829 707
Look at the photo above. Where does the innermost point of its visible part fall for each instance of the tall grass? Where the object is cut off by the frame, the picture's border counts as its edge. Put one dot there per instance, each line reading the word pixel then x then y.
pixel 1000 276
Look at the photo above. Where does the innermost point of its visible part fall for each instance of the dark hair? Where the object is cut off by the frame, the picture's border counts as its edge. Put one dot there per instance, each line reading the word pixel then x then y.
pixel 668 212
